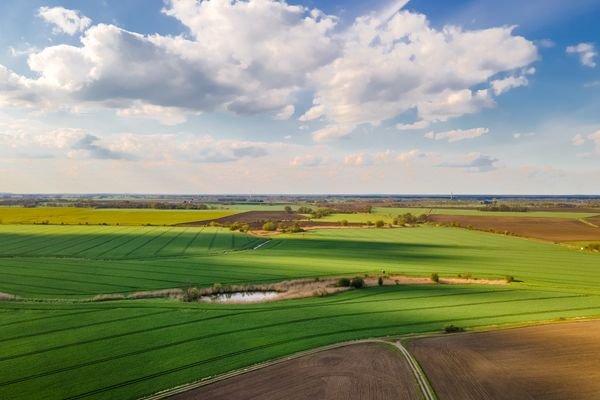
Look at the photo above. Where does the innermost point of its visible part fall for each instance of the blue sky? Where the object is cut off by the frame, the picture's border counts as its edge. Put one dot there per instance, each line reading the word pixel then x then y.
pixel 262 96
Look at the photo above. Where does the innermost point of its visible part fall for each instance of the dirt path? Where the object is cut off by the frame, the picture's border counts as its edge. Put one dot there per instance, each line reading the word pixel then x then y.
pixel 418 373
pixel 364 369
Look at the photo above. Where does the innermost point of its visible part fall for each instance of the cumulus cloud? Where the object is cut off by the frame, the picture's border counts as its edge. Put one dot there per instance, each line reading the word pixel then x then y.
pixel 500 86
pixel 586 52
pixel 64 20
pixel 383 65
pixel 22 139
pixel 165 115
pixel 393 65
pixel 457 134
pixel 473 162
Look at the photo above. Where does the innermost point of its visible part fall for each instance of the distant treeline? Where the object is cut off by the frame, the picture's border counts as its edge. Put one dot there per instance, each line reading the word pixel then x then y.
pixel 185 205
pixel 504 208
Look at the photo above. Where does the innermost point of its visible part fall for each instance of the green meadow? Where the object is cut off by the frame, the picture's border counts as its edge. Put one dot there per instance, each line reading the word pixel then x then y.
pixel 54 344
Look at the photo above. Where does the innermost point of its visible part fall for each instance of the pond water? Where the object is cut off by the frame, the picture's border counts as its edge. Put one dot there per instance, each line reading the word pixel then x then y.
pixel 242 297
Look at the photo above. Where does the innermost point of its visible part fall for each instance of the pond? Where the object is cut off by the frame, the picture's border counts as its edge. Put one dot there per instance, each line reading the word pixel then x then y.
pixel 242 297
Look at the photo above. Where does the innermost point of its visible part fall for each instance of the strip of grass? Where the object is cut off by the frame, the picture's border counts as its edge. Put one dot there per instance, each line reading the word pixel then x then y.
pixel 91 216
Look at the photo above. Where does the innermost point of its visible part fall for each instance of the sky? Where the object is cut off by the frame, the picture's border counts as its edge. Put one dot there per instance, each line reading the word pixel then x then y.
pixel 300 97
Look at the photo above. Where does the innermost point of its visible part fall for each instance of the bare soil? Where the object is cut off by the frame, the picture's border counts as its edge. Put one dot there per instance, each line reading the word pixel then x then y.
pixel 552 229
pixel 551 362
pixel 360 371
pixel 253 218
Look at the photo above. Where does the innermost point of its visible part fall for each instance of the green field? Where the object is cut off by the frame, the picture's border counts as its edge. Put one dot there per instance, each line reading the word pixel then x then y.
pixel 54 346
pixel 387 214
pixel 92 216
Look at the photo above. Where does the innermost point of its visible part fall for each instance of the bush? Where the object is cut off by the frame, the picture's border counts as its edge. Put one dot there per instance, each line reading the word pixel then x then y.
pixel 435 277
pixel 344 222
pixel 593 247
pixel 343 282
pixel 509 278
pixel 297 228
pixel 191 294
pixel 453 329
pixel 380 281
pixel 379 224
pixel 269 226
pixel 357 282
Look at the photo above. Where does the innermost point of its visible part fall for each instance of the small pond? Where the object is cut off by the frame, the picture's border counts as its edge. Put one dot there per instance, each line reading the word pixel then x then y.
pixel 241 297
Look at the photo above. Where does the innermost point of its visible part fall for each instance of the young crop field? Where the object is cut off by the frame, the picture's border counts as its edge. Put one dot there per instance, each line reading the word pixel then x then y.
pixel 387 214
pixel 92 216
pixel 54 345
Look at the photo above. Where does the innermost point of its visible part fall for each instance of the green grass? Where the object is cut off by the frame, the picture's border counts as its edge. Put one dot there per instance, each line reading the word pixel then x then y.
pixel 387 214
pixel 59 349
pixel 92 216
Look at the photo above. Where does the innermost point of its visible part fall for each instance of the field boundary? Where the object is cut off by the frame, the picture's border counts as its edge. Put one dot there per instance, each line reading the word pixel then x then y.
pixel 392 340
pixel 210 380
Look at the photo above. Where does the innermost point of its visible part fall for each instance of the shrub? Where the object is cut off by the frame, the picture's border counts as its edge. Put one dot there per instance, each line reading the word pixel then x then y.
pixel 435 277
pixel 593 246
pixel 453 329
pixel 357 282
pixel 297 228
pixel 245 228
pixel 269 226
pixel 370 223
pixel 380 281
pixel 379 224
pixel 509 278
pixel 344 222
pixel 343 282
pixel 191 294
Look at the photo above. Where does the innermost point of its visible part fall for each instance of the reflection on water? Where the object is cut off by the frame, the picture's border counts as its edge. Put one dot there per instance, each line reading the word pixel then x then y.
pixel 241 297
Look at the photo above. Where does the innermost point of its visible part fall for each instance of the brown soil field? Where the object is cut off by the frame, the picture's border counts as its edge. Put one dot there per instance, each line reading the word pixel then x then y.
pixel 253 218
pixel 360 371
pixel 594 220
pixel 551 362
pixel 553 229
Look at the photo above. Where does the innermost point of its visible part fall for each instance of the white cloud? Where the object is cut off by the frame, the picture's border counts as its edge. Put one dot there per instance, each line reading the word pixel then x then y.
pixel 64 20
pixel 308 160
pixel 504 85
pixel 390 66
pixel 165 115
pixel 473 162
pixel 357 160
pixel 383 65
pixel 457 134
pixel 586 52
pixel 414 126
pixel 578 139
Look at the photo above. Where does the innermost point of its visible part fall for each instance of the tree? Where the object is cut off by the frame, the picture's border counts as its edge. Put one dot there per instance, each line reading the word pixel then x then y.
pixel 380 281
pixel 343 282
pixel 435 277
pixel 379 224
pixel 357 282
pixel 268 226
pixel 288 209
pixel 344 222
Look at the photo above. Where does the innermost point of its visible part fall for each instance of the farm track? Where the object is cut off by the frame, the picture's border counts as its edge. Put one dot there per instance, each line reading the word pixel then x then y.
pixel 422 381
